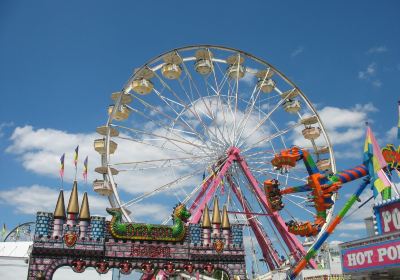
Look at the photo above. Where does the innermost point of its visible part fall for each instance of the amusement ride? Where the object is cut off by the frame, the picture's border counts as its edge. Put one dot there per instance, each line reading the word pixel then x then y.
pixel 205 121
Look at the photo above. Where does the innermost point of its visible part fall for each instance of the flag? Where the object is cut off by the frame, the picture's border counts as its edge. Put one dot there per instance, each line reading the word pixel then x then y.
pixel 62 166
pixel 374 161
pixel 85 169
pixel 18 232
pixel 3 232
pixel 398 122
pixel 76 156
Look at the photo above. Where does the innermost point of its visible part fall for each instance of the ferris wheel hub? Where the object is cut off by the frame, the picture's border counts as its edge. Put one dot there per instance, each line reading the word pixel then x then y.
pixel 233 151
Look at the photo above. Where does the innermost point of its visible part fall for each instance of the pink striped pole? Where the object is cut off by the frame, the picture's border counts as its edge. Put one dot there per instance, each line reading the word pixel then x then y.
pixel 294 245
pixel 270 255
pixel 232 155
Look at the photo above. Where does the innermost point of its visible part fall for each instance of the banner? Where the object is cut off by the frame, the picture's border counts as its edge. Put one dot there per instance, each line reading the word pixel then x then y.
pixel 372 256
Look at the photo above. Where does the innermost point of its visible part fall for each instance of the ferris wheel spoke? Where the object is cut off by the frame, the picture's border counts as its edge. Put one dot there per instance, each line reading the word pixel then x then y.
pixel 164 127
pixel 168 185
pixel 154 109
pixel 140 141
pixel 139 168
pixel 299 205
pixel 266 215
pixel 230 90
pixel 303 198
pixel 195 106
pixel 181 120
pixel 231 95
pixel 224 80
pixel 249 110
pixel 272 153
pixel 265 159
pixel 163 188
pixel 268 248
pixel 264 120
pixel 271 137
pixel 173 141
pixel 185 201
pixel 274 172
pixel 270 97
pixel 220 106
pixel 236 99
pixel 158 160
pixel 191 80
pixel 190 109
pixel 210 114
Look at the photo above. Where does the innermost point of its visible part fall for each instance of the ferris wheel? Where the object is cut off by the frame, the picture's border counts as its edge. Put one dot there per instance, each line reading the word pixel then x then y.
pixel 22 232
pixel 205 121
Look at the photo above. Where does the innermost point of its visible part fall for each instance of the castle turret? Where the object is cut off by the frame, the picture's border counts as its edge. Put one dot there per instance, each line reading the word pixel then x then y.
pixel 226 226
pixel 84 216
pixel 206 225
pixel 216 219
pixel 73 206
pixel 59 215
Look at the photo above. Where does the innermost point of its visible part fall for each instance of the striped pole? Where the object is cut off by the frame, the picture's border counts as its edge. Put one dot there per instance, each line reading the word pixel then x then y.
pixel 329 230
pixel 352 173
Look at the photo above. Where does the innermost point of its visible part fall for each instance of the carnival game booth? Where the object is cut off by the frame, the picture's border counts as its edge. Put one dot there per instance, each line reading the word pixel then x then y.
pixel 376 257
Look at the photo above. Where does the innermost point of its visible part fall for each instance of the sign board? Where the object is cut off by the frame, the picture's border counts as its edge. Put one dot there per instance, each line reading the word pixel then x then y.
pixel 372 256
pixel 387 216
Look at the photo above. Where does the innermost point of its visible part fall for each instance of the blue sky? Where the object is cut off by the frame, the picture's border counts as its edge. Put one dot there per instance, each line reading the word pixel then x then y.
pixel 59 62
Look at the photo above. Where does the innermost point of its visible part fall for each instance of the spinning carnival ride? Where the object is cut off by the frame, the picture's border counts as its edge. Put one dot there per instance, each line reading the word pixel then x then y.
pixel 204 121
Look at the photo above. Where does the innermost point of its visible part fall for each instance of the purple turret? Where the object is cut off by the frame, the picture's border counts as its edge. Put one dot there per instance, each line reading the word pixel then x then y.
pixel 73 207
pixel 84 217
pixel 59 216
pixel 206 225
pixel 226 226
pixel 216 220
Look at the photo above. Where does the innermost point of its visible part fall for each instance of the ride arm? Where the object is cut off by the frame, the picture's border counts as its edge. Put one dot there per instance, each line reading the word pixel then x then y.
pixel 321 188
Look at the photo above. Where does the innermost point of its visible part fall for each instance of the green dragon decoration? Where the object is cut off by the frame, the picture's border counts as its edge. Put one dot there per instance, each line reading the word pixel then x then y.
pixel 139 231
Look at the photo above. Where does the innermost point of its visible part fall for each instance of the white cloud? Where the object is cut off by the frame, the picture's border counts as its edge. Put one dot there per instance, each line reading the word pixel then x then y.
pixel 377 83
pixel 391 135
pixel 359 214
pixel 349 153
pixel 377 49
pixel 334 117
pixel 354 219
pixel 349 235
pixel 30 199
pixel 335 242
pixel 349 226
pixel 248 79
pixel 39 151
pixel 297 51
pixel 344 126
pixel 3 126
pixel 368 72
